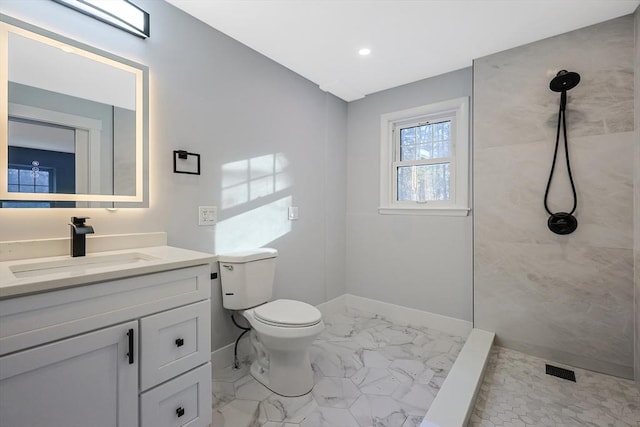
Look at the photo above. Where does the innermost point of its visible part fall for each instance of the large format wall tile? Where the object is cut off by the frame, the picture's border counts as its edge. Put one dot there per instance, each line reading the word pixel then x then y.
pixel 569 298
pixel 510 182
pixel 515 84
pixel 637 197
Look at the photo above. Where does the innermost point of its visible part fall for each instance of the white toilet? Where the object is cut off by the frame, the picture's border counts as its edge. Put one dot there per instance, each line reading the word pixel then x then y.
pixel 283 329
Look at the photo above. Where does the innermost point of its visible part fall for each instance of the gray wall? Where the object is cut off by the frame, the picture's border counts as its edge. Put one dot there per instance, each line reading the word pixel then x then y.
pixel 213 96
pixel 423 262
pixel 636 218
pixel 568 298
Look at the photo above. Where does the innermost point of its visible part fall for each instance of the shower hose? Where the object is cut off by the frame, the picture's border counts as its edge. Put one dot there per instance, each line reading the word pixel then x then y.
pixel 561 121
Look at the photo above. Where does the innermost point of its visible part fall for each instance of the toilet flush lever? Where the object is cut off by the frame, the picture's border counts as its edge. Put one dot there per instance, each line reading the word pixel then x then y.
pixel 228 267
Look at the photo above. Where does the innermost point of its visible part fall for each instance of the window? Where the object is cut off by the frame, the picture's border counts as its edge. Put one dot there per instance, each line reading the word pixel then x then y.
pixel 28 179
pixel 425 160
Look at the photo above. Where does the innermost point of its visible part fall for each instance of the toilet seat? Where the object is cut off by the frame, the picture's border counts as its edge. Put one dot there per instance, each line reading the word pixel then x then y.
pixel 288 314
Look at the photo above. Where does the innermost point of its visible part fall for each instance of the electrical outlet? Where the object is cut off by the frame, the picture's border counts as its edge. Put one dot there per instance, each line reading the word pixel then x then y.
pixel 207 215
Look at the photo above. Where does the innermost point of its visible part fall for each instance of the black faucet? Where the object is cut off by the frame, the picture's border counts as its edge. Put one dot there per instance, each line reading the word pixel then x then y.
pixel 79 231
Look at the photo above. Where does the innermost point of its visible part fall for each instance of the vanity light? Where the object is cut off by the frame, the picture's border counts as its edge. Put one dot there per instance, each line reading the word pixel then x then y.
pixel 120 13
pixel 364 51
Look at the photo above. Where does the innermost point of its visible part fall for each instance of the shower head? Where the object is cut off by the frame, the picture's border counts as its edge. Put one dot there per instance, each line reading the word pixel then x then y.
pixel 564 81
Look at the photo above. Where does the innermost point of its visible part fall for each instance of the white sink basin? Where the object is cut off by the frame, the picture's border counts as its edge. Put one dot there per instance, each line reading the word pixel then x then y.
pixel 79 265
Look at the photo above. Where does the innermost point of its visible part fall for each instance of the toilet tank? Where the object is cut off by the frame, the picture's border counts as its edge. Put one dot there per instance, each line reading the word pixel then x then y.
pixel 246 277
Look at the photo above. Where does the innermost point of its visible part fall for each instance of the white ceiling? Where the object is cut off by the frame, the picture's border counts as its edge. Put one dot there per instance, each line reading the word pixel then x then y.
pixel 409 39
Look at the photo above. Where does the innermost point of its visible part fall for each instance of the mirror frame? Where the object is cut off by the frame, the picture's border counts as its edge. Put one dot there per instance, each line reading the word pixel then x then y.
pixel 140 199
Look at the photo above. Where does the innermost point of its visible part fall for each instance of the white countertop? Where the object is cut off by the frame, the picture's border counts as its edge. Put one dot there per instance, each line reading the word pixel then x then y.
pixel 82 271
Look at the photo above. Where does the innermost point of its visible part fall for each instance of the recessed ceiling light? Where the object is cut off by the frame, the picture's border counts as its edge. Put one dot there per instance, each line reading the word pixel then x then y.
pixel 364 51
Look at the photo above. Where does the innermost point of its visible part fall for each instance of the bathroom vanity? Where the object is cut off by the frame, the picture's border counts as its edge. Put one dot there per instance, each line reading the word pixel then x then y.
pixel 116 338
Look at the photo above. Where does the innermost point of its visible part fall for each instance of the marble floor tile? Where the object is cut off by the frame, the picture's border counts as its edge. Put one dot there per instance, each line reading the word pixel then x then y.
pixel 368 372
pixel 378 381
pixel 247 388
pixel 239 413
pixel 371 410
pixel 335 392
pixel 411 369
pixel 517 392
pixel 330 417
pixel 223 393
pixel 335 359
pixel 415 399
pixel 289 409
pixel 413 421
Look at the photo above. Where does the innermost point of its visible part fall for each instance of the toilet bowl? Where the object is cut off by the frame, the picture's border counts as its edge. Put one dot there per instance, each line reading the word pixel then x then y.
pixel 286 329
pixel 282 330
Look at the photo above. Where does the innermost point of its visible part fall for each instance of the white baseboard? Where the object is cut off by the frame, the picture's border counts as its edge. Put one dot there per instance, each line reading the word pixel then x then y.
pixel 331 306
pixel 456 399
pixel 222 357
pixel 410 316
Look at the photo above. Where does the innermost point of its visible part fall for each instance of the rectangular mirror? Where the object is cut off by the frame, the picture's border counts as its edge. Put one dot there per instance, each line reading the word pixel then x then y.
pixel 74 123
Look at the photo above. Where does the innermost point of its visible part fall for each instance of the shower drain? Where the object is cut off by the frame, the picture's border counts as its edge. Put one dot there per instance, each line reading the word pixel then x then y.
pixel 565 374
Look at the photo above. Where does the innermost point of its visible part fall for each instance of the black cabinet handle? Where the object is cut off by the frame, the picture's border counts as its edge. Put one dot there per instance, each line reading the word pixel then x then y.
pixel 180 411
pixel 130 353
pixel 179 342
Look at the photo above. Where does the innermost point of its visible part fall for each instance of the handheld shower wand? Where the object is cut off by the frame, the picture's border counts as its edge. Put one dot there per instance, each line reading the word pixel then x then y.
pixel 562 222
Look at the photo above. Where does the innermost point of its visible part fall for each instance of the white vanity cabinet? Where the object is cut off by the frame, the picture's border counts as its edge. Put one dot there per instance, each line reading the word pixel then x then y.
pixel 120 353
pixel 80 381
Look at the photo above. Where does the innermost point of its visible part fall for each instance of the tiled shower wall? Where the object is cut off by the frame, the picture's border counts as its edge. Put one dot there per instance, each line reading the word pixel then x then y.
pixel 568 298
pixel 636 220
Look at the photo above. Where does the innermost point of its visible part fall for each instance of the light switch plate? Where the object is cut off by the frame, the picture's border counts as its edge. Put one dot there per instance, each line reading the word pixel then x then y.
pixel 207 215
pixel 293 213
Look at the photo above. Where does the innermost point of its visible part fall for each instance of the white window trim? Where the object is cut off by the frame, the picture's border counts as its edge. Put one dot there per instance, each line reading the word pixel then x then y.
pixel 459 206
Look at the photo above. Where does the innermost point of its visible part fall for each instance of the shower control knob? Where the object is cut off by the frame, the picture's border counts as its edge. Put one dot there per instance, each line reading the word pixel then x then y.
pixel 562 223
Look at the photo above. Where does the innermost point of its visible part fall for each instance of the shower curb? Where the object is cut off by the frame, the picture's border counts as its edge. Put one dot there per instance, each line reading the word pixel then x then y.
pixel 454 402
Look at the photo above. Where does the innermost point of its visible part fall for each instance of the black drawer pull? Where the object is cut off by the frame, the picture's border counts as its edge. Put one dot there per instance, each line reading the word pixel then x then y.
pixel 180 411
pixel 130 353
pixel 179 342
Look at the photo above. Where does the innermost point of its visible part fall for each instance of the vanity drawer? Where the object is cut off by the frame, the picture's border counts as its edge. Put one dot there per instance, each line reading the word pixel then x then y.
pixel 173 342
pixel 184 401
pixel 36 319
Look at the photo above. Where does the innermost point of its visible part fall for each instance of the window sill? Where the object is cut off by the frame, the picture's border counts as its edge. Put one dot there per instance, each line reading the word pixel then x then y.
pixel 450 211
